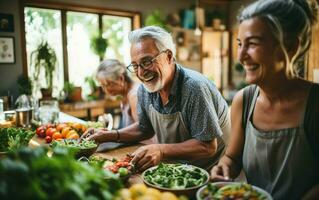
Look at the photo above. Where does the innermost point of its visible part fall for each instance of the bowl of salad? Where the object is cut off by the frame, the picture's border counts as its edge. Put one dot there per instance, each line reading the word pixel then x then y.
pixel 231 191
pixel 82 148
pixel 180 179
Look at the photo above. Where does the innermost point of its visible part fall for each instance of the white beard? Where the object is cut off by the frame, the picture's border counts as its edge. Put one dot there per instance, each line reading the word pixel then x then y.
pixel 153 87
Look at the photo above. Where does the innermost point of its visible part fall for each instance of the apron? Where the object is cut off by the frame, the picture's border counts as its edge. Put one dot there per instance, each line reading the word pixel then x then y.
pixel 171 128
pixel 280 161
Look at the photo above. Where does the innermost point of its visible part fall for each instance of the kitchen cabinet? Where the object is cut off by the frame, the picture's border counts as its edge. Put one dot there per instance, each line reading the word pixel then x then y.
pixel 207 53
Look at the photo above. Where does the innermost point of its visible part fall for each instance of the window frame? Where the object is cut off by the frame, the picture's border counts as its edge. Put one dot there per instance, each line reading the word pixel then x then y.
pixel 63 8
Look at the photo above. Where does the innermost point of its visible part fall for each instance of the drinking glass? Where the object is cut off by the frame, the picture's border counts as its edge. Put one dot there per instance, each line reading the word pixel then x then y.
pixel 49 111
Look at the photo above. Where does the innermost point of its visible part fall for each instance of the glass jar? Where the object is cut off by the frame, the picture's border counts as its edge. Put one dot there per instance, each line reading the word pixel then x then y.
pixel 1 111
pixel 49 112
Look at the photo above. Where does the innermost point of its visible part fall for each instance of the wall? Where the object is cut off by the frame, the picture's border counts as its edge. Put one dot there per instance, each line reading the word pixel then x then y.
pixel 10 72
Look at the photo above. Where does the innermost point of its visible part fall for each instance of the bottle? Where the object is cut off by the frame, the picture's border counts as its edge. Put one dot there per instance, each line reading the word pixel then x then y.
pixel 1 110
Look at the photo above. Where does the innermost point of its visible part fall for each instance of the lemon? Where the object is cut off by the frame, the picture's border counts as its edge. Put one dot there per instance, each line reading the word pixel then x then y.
pixel 156 194
pixel 125 194
pixel 137 190
pixel 168 196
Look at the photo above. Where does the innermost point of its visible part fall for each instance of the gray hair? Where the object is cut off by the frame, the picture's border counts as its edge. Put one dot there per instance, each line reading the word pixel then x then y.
pixel 112 69
pixel 290 21
pixel 163 40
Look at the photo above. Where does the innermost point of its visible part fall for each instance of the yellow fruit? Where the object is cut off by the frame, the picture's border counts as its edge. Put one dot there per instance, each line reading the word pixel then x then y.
pixel 65 131
pixel 137 190
pixel 77 126
pixel 168 196
pixel 146 197
pixel 71 132
pixel 73 136
pixel 125 194
pixel 154 193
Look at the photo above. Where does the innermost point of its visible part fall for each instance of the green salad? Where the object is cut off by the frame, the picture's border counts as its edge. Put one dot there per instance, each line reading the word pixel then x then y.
pixel 175 176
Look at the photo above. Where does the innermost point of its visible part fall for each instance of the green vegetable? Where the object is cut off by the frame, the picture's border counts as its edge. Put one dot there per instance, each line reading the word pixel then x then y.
pixel 176 176
pixel 31 174
pixel 75 144
pixel 12 139
pixel 123 171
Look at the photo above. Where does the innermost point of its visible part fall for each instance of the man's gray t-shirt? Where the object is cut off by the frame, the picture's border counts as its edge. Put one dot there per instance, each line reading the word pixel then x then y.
pixel 203 108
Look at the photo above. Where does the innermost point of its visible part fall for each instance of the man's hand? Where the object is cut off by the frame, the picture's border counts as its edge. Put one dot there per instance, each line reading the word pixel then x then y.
pixel 147 156
pixel 95 134
pixel 220 172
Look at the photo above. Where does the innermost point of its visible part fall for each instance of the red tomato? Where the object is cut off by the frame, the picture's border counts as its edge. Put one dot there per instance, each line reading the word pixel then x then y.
pixel 50 131
pixel 50 126
pixel 48 139
pixel 41 131
pixel 113 168
pixel 122 164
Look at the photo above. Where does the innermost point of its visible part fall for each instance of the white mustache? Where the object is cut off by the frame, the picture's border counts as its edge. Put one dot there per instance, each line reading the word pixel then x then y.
pixel 148 76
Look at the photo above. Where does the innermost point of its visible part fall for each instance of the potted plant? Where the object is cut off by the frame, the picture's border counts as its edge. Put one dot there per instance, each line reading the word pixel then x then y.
pixel 94 89
pixel 44 58
pixel 72 93
pixel 24 85
pixel 99 45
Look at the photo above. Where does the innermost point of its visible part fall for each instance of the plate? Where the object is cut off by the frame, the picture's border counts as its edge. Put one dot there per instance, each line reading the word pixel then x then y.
pixel 202 190
pixel 188 191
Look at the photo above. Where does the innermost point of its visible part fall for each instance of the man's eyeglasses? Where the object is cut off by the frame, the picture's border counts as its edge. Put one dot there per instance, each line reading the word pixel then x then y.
pixel 145 64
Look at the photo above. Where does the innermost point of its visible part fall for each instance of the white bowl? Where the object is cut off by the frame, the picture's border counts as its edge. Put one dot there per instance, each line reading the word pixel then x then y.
pixel 190 191
pixel 221 184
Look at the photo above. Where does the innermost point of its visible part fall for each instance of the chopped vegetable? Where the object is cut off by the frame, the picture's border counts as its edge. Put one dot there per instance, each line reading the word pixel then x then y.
pixel 75 143
pixel 231 192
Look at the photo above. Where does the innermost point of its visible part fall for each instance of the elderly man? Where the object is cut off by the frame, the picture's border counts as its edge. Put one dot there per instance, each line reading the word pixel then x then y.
pixel 183 108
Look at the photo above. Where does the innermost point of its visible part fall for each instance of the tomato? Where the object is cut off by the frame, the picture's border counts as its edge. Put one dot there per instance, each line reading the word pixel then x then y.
pixel 48 139
pixel 56 135
pixel 59 127
pixel 50 126
pixel 122 164
pixel 112 168
pixel 41 131
pixel 50 131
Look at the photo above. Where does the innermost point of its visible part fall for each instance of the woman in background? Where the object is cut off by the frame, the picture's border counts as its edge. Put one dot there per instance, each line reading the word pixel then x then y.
pixel 114 79
pixel 270 139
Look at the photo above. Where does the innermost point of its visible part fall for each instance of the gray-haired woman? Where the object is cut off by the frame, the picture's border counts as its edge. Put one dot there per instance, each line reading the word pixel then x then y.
pixel 269 134
pixel 114 79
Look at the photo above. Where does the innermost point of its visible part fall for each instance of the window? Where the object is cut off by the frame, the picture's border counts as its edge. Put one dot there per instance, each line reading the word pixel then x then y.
pixel 43 25
pixel 69 30
pixel 82 61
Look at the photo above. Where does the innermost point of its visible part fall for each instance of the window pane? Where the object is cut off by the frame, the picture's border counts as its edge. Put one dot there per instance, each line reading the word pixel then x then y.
pixel 44 25
pixel 81 27
pixel 116 30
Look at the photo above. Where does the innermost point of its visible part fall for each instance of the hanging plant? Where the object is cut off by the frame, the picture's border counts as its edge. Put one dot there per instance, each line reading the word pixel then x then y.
pixel 99 45
pixel 156 18
pixel 44 58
